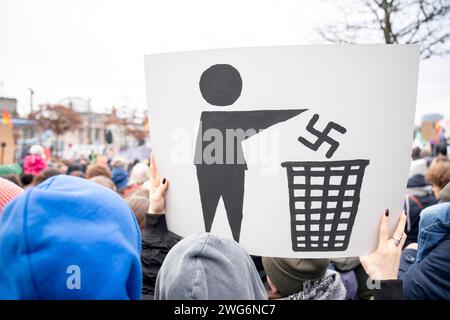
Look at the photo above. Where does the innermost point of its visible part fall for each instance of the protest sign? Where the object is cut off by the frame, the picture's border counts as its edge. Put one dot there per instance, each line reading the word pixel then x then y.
pixel 292 151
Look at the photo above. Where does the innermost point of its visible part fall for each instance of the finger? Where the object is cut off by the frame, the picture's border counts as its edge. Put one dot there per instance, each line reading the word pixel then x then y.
pixel 153 170
pixel 154 178
pixel 402 242
pixel 383 235
pixel 400 229
pixel 162 188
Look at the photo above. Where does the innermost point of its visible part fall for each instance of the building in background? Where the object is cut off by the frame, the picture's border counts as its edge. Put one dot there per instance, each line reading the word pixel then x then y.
pixel 110 133
pixel 9 105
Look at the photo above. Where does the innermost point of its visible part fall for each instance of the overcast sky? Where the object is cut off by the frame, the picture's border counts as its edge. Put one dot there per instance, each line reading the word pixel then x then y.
pixel 94 49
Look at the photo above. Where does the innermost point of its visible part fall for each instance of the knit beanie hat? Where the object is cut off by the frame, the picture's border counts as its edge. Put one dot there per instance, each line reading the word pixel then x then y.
pixel 8 191
pixel 10 169
pixel 288 275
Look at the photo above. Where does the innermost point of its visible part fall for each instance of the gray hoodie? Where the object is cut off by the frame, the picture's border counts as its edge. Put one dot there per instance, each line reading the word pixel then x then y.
pixel 205 266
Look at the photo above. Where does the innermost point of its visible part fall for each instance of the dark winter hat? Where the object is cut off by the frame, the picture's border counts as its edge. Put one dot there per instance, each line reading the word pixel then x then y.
pixel 288 275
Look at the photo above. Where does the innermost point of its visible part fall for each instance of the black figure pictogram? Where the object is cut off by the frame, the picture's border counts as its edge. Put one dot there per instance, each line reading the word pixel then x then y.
pixel 322 136
pixel 224 177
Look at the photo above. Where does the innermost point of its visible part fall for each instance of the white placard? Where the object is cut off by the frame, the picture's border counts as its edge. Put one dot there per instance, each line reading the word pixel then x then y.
pixel 330 152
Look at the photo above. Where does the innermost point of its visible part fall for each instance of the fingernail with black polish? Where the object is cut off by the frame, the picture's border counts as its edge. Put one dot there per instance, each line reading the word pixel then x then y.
pixel 386 212
pixel 164 180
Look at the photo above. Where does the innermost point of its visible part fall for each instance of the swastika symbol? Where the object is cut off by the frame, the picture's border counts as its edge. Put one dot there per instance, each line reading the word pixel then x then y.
pixel 322 136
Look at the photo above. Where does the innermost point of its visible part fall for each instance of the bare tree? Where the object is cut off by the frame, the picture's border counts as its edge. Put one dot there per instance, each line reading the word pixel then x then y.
pixel 58 118
pixel 426 22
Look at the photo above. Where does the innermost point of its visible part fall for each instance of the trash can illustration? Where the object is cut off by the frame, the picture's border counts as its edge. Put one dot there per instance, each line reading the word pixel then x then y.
pixel 323 202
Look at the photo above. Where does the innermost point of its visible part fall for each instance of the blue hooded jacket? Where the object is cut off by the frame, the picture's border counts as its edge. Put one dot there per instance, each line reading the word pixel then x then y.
pixel 69 238
pixel 429 278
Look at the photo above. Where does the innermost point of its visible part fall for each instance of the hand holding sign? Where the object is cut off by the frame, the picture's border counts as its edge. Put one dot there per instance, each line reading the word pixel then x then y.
pixel 157 190
pixel 383 263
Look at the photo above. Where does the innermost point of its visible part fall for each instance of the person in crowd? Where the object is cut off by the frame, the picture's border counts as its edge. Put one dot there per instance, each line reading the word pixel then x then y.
pixel 119 174
pixel 26 181
pixel 440 148
pixel 140 192
pixel 78 174
pixel 157 240
pixel 302 279
pixel 419 196
pixel 132 164
pixel 75 166
pixel 35 161
pixel 349 270
pixel 94 170
pixel 62 166
pixel 175 271
pixel 104 181
pixel 434 227
pixel 8 191
pixel 140 206
pixel 6 169
pixel 83 162
pixel 206 266
pixel 438 175
pixel 444 194
pixel 12 173
pixel 439 158
pixel 92 157
pixel 426 154
pixel 138 175
pixel 44 175
pixel 383 264
pixel 102 160
pixel 425 266
pixel 415 153
pixel 69 238
pixel 14 178
pixel 257 260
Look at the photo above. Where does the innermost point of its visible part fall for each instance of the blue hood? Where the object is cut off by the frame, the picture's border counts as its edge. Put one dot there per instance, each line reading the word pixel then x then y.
pixel 64 228
pixel 120 178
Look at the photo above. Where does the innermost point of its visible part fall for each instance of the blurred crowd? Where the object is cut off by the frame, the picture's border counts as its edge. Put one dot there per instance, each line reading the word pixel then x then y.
pixel 104 219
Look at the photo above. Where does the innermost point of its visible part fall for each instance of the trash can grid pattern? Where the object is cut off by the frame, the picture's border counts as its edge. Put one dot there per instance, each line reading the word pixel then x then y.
pixel 324 198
